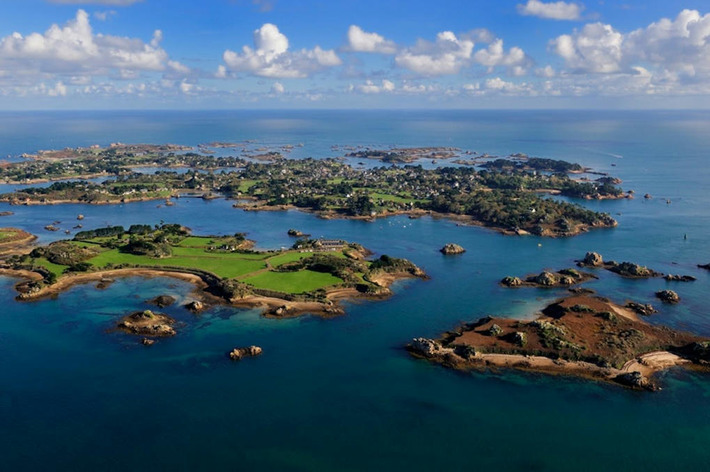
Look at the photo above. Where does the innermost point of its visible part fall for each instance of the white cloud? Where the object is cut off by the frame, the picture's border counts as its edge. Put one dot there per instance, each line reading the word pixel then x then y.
pixel 668 51
pixel 596 48
pixel 362 41
pixel 552 10
pixel 271 57
pixel 118 3
pixel 277 88
pixel 75 49
pixel 369 87
pixel 445 56
pixel 494 55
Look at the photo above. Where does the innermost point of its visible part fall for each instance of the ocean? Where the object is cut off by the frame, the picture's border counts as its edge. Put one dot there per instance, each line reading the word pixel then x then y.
pixel 342 393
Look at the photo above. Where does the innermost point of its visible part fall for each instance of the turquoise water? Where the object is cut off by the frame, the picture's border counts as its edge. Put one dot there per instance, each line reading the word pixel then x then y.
pixel 342 394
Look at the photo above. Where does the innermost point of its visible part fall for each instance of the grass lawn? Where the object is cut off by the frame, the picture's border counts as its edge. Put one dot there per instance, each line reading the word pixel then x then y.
pixel 288 257
pixel 196 241
pixel 56 269
pixel 246 184
pixel 224 265
pixel 292 282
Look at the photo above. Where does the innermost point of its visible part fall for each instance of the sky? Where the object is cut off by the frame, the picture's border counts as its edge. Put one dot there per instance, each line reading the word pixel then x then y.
pixel 279 54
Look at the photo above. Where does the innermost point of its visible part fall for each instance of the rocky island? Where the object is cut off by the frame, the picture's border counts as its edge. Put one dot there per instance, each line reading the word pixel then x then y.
pixel 312 277
pixel 581 335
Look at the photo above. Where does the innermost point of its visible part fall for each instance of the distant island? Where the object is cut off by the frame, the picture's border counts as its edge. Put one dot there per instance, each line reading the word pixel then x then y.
pixel 312 277
pixel 503 194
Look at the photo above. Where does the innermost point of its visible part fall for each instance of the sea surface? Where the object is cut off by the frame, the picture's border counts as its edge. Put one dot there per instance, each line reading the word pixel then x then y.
pixel 342 393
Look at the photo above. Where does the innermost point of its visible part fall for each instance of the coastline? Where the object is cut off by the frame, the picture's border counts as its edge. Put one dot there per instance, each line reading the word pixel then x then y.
pixel 271 306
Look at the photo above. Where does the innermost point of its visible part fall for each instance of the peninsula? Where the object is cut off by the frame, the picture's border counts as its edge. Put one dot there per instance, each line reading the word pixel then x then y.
pixel 312 277
pixel 510 199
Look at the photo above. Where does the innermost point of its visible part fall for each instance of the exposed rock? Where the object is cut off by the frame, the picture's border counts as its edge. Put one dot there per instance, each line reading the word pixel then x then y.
pixel 147 341
pixel 704 266
pixel 519 338
pixel 239 353
pixel 647 196
pixel 495 330
pixel 104 283
pixel 593 259
pixel 296 233
pixel 641 309
pixel 547 279
pixel 511 281
pixel 80 217
pixel 451 248
pixel 162 301
pixel 147 323
pixel 427 347
pixel 668 296
pixel 195 306
pixel 634 379
pixel 629 269
pixel 679 278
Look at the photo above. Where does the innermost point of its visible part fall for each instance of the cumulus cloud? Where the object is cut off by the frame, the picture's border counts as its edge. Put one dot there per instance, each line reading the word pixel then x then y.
pixel 118 3
pixel 450 53
pixel 271 57
pixel 669 50
pixel 362 41
pixel 495 55
pixel 595 48
pixel 552 10
pixel 445 56
pixel 75 49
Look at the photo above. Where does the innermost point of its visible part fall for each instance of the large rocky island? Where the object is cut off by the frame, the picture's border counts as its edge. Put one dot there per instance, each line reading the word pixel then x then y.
pixel 581 335
pixel 312 277
pixel 504 194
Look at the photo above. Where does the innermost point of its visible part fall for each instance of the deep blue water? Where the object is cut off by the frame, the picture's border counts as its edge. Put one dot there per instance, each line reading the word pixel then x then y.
pixel 342 394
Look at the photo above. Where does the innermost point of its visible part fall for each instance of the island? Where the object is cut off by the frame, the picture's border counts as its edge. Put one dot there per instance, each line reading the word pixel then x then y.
pixel 312 277
pixel 581 335
pixel 510 199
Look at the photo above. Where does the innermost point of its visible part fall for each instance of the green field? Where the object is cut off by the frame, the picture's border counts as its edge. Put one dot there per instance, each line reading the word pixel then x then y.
pixel 228 265
pixel 56 269
pixel 293 282
pixel 252 268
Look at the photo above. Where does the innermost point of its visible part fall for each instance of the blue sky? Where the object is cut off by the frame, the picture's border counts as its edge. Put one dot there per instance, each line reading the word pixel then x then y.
pixel 103 54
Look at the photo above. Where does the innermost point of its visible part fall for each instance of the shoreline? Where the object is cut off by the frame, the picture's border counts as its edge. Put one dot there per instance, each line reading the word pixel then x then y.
pixel 272 307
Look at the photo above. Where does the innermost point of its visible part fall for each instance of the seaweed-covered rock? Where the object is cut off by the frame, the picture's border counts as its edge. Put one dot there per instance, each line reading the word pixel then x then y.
pixel 679 278
pixel 668 296
pixel 239 353
pixel 451 249
pixel 195 306
pixel 634 379
pixel 642 309
pixel 161 301
pixel 629 269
